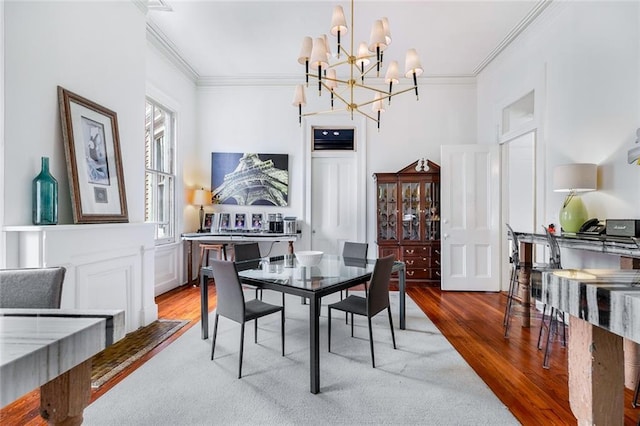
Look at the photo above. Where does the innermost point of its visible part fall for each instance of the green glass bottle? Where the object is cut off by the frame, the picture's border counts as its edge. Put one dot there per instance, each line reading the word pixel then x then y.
pixel 45 197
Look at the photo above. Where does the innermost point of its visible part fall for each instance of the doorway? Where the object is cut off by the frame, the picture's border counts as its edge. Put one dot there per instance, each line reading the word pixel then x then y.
pixel 335 196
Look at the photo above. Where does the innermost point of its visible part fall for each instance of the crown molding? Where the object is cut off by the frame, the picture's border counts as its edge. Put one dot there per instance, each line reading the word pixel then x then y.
pixel 513 34
pixel 156 37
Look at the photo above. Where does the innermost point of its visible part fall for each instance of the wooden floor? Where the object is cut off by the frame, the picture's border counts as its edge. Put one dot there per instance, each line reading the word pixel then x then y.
pixel 472 322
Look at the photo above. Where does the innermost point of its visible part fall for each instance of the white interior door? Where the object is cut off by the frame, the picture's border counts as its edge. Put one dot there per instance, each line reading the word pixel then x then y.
pixel 470 217
pixel 334 200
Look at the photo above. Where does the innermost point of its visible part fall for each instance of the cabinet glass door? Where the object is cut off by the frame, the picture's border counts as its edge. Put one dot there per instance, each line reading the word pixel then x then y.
pixel 387 217
pixel 432 211
pixel 410 210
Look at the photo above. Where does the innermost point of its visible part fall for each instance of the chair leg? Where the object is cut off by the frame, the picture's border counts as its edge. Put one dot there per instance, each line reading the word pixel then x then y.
pixel 215 333
pixel 329 329
pixel 255 331
pixel 373 360
pixel 547 348
pixel 542 324
pixel 506 322
pixel 393 335
pixel 346 314
pixel 636 393
pixel 282 326
pixel 351 324
pixel 241 349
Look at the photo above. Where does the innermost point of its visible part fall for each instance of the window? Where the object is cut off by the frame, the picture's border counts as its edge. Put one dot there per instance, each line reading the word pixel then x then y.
pixel 160 178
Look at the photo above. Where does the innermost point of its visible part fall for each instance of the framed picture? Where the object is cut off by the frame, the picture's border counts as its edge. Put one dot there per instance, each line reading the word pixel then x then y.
pixel 208 221
pixel 257 221
pixel 94 163
pixel 240 221
pixel 247 179
pixel 225 221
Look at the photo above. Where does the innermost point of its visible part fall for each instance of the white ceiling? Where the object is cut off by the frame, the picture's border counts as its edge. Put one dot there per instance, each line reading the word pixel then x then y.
pixel 225 39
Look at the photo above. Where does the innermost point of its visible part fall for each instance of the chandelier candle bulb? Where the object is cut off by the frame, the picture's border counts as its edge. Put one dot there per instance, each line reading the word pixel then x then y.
pixel 319 61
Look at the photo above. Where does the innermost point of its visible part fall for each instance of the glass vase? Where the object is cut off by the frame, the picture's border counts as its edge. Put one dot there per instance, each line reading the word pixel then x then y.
pixel 45 196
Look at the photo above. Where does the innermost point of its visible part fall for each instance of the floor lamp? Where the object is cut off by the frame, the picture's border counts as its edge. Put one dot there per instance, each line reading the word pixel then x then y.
pixel 201 197
pixel 574 179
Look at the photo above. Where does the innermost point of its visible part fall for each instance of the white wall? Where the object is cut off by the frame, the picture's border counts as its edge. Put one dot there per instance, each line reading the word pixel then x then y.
pixel 261 118
pixel 94 49
pixel 581 58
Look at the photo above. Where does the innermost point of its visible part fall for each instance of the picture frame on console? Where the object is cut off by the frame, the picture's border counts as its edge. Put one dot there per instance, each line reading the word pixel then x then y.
pixel 225 222
pixel 94 162
pixel 257 221
pixel 208 222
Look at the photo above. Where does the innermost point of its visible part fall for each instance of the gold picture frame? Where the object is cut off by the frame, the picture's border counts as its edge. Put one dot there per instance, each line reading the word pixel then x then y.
pixel 94 162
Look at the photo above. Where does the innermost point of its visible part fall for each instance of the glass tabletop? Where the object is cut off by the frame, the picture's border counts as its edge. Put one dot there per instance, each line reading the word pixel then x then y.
pixel 330 271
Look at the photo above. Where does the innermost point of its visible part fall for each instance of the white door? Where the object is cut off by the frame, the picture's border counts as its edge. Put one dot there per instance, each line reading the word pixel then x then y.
pixel 334 200
pixel 470 217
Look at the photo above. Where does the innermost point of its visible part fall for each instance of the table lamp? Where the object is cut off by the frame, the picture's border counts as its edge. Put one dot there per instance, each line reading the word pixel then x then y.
pixel 574 179
pixel 201 197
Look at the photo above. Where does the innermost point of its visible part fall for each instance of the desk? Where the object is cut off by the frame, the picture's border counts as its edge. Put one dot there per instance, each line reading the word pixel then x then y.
pixel 52 348
pixel 225 238
pixel 604 308
pixel 334 273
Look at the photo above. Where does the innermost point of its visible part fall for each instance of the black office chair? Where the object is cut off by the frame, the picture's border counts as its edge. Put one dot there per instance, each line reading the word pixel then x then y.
pixel 231 305
pixel 377 300
pixel 31 287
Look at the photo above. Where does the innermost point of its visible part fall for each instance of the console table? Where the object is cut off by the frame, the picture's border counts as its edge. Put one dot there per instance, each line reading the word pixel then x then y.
pixel 226 238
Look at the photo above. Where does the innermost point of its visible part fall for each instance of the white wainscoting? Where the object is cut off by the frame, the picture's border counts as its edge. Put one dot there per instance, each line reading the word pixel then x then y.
pixel 109 266
pixel 168 267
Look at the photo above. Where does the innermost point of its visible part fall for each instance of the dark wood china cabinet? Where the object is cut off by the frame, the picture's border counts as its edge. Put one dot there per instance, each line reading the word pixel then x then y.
pixel 408 219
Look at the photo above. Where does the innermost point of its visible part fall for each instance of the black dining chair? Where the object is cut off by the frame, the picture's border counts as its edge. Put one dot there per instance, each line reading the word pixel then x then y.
pixel 232 305
pixel 353 253
pixel 377 300
pixel 247 256
pixel 31 287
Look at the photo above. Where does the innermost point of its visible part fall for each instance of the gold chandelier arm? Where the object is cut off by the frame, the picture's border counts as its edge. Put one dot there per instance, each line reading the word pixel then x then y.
pixel 366 115
pixel 328 111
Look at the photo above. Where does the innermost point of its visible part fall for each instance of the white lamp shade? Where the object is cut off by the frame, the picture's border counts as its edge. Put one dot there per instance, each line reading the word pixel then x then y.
pixel 201 197
pixel 299 97
pixel 327 46
pixel 412 64
pixel 318 54
pixel 377 105
pixel 377 38
pixel 392 73
pixel 579 177
pixel 363 55
pixel 330 81
pixel 305 50
pixel 338 23
pixel 387 32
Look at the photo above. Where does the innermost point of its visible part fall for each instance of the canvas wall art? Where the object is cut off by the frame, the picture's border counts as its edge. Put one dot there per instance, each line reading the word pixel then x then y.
pixel 250 179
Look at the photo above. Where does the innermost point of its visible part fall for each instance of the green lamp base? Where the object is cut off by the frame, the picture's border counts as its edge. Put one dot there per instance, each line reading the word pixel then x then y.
pixel 573 214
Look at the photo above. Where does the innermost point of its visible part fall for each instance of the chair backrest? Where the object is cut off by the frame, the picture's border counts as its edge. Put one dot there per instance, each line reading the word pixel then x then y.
pixel 247 255
pixel 378 295
pixel 355 250
pixel 31 287
pixel 554 248
pixel 228 290
pixel 515 248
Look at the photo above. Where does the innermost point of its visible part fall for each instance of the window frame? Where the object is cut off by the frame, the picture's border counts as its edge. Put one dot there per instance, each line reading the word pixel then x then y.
pixel 156 173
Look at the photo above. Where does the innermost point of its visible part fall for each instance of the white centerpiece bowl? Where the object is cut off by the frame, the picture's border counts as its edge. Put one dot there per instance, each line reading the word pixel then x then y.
pixel 309 258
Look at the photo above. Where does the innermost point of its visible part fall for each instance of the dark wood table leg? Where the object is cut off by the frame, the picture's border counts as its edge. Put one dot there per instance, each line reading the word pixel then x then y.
pixel 189 262
pixel 63 399
pixel 403 287
pixel 204 304
pixel 314 346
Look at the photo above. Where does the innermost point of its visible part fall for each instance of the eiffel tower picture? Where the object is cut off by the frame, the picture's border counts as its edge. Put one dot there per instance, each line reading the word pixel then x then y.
pixel 250 179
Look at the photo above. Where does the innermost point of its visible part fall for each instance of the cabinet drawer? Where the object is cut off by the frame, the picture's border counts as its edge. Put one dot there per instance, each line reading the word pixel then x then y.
pixel 422 262
pixel 423 273
pixel 416 251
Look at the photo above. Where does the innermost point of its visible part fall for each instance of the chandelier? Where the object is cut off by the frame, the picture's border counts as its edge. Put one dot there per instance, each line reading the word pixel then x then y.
pixel 315 55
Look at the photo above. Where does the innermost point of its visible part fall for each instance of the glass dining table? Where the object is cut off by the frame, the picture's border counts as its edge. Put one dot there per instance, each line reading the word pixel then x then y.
pixel 286 275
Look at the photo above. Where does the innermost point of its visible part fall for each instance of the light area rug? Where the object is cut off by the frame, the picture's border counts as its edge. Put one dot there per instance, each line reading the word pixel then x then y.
pixel 424 382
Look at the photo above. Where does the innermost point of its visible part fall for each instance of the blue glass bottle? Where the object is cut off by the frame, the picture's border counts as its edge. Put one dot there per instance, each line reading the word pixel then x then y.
pixel 45 197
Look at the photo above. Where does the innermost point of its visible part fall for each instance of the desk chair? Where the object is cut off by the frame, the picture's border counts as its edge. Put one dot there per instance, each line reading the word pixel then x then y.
pixel 377 300
pixel 232 305
pixel 31 287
